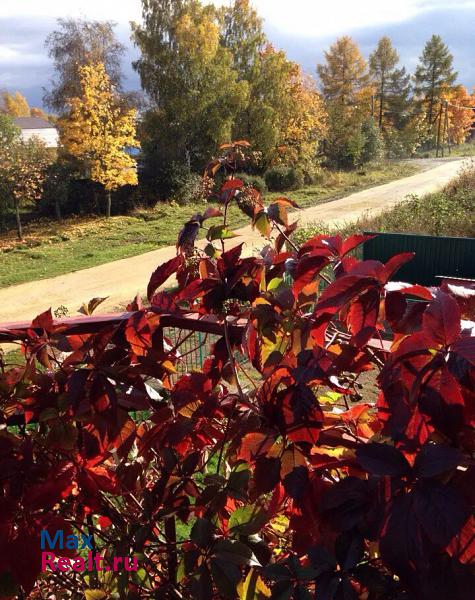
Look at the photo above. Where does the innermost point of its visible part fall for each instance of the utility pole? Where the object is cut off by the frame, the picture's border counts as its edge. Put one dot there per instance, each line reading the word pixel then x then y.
pixel 439 126
pixel 447 126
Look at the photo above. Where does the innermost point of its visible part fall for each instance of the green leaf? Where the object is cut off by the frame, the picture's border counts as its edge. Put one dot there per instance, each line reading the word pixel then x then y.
pixel 262 223
pixel 236 553
pixel 274 284
pixel 278 213
pixel 247 520
pixel 239 477
pixel 226 576
pixel 220 232
pixel 202 532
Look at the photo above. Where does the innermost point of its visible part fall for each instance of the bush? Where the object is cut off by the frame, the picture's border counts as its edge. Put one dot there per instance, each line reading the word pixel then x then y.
pixel 330 466
pixel 254 181
pixel 181 185
pixel 283 179
pixel 373 146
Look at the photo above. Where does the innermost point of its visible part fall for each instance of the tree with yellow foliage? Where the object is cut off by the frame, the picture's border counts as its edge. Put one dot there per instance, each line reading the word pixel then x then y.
pixel 98 129
pixel 460 114
pixel 15 104
pixel 303 119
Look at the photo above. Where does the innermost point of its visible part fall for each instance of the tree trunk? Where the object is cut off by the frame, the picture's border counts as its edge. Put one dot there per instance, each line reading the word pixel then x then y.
pixel 381 100
pixel 57 209
pixel 108 203
pixel 18 221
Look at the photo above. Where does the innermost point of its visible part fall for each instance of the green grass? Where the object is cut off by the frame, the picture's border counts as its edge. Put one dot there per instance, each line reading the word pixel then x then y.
pixel 51 248
pixel 459 151
pixel 450 212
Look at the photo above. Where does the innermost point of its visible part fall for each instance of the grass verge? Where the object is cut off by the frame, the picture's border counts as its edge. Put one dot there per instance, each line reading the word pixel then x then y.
pixel 450 212
pixel 52 248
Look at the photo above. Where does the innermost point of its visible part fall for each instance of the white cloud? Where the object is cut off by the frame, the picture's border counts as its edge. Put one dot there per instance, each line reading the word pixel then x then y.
pixel 302 17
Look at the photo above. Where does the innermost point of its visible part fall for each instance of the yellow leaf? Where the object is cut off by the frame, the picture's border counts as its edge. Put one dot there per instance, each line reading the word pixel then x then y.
pixel 95 594
pixel 253 587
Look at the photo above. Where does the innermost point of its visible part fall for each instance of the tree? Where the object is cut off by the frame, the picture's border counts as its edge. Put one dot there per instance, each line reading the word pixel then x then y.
pixel 242 34
pixel 98 130
pixel 23 166
pixel 303 121
pixel 347 91
pixel 189 77
pixel 434 75
pixel 79 42
pixel 460 114
pixel 398 98
pixel 9 132
pixel 15 104
pixel 344 74
pixel 392 84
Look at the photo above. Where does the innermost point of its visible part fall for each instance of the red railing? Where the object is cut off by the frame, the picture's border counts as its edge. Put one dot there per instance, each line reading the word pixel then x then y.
pixel 16 331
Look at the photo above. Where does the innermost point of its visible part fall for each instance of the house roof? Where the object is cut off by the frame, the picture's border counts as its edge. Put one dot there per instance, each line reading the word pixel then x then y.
pixel 32 123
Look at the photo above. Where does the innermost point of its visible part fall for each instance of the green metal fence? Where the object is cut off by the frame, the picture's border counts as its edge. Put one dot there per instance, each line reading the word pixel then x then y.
pixel 435 256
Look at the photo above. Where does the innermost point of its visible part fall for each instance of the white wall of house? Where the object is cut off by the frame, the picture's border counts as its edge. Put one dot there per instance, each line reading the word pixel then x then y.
pixel 48 135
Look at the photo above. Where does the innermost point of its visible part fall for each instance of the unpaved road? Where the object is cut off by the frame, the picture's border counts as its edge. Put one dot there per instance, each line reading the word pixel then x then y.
pixel 122 279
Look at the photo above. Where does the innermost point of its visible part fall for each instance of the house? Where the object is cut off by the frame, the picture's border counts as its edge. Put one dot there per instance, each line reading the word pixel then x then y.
pixel 41 128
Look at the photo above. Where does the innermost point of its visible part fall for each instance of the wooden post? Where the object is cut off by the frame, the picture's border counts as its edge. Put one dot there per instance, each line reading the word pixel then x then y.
pixel 438 132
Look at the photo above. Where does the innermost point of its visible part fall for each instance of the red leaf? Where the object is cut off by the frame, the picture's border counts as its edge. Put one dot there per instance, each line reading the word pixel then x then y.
pixel 353 242
pixel 138 333
pixel 441 320
pixel 382 460
pixel 396 263
pixel 43 321
pixel 341 291
pixel 363 316
pixel 465 347
pixel 462 546
pixel 211 212
pixel 162 273
pixel 307 271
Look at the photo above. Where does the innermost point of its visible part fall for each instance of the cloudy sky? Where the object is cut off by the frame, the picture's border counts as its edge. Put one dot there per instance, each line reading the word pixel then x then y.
pixel 304 28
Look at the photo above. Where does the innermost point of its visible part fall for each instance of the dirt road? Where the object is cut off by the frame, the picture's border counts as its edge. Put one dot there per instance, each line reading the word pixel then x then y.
pixel 122 279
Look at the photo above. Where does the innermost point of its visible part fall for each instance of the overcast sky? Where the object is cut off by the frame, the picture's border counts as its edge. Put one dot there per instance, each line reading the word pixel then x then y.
pixel 304 28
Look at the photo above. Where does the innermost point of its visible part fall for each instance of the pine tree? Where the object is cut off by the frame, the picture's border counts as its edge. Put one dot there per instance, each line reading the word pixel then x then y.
pixel 98 130
pixel 398 97
pixel 434 74
pixel 389 80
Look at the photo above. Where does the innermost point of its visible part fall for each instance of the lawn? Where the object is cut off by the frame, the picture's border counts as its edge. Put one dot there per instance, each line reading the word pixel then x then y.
pixel 53 248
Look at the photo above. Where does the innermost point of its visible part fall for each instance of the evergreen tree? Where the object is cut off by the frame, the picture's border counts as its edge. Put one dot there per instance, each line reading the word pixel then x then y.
pixel 398 97
pixel 434 75
pixel 391 83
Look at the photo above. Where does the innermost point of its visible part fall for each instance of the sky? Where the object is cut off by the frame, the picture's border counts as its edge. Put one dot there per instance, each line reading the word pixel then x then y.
pixel 304 28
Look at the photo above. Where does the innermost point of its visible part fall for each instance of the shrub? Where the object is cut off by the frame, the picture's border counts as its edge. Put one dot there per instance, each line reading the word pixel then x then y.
pixel 284 478
pixel 254 181
pixel 283 179
pixel 373 147
pixel 182 185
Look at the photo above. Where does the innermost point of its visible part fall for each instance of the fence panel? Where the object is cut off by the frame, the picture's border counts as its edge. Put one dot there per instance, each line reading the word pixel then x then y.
pixel 435 256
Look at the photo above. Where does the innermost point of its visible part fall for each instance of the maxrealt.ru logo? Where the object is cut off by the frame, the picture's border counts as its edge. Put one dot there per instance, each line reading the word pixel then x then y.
pixel 51 546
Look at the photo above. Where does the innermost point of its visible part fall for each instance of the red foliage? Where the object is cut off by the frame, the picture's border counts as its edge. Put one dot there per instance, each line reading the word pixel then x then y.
pixel 278 480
